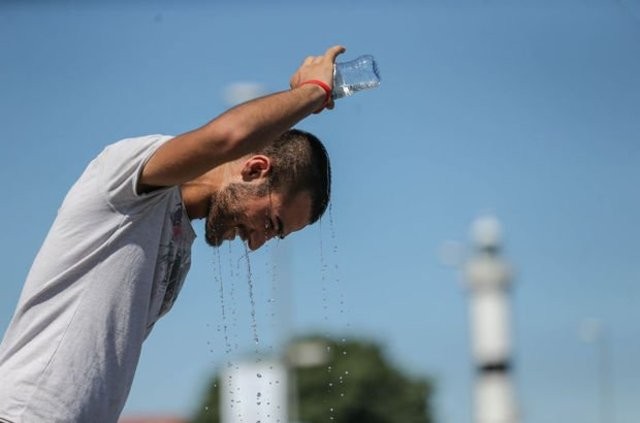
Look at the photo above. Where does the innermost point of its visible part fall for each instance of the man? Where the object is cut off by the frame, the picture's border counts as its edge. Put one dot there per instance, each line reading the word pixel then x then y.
pixel 119 249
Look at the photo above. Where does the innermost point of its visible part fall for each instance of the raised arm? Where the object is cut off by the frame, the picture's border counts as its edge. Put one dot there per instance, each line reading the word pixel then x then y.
pixel 243 128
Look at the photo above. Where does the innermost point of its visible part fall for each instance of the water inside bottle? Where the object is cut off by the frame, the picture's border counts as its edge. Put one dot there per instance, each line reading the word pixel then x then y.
pixel 355 75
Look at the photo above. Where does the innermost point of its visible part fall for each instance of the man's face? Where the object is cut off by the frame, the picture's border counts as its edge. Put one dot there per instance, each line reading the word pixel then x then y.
pixel 254 214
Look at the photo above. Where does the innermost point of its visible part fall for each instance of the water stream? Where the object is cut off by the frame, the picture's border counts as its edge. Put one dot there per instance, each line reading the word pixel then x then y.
pixel 264 407
pixel 254 323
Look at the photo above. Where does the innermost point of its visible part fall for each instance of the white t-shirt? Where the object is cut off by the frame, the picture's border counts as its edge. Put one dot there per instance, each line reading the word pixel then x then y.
pixel 111 265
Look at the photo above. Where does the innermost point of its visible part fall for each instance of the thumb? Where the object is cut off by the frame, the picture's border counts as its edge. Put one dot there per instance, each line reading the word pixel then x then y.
pixel 333 52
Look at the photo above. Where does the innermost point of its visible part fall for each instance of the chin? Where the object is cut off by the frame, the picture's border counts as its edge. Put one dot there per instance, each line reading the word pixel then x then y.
pixel 213 243
pixel 212 239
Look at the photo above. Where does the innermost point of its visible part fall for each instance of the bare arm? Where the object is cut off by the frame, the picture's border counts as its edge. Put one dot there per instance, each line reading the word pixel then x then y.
pixel 241 129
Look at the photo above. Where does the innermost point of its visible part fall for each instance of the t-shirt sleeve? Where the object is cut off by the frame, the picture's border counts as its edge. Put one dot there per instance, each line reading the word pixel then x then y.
pixel 121 165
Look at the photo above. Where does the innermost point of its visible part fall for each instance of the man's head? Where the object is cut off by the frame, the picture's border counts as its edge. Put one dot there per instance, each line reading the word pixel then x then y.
pixel 285 186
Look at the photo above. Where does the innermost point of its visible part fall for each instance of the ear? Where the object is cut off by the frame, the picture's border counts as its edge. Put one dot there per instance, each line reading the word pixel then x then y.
pixel 256 167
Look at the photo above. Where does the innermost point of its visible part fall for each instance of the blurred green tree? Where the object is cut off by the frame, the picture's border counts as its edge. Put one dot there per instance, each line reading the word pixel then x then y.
pixel 353 383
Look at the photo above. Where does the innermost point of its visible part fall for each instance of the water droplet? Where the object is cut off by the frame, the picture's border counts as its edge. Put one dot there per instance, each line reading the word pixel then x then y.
pixel 259 374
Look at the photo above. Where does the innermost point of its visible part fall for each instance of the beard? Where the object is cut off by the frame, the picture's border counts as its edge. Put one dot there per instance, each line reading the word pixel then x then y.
pixel 226 210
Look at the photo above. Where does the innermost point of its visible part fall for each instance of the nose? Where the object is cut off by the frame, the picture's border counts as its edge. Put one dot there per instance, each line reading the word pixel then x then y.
pixel 258 239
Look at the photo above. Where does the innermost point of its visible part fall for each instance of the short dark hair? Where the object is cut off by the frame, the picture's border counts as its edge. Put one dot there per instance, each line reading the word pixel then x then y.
pixel 300 163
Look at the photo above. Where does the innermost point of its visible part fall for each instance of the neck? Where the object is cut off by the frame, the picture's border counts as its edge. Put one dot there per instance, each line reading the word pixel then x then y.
pixel 196 194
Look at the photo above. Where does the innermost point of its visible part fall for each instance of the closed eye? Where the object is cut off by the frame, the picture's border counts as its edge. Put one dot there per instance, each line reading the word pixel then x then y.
pixel 279 228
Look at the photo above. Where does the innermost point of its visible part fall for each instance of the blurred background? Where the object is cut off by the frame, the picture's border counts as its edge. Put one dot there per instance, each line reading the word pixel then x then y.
pixel 526 111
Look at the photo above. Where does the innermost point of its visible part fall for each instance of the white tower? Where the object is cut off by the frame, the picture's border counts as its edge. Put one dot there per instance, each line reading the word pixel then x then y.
pixel 254 391
pixel 489 279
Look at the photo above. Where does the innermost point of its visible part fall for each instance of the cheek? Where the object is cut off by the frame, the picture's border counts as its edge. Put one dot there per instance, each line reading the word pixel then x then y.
pixel 232 217
pixel 214 215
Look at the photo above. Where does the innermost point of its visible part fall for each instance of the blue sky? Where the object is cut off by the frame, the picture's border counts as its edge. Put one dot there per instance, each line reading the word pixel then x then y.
pixel 526 111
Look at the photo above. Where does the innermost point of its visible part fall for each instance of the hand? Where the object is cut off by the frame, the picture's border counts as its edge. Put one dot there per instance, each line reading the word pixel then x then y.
pixel 318 67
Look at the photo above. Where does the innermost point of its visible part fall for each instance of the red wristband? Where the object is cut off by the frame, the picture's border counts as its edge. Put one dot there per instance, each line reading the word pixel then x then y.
pixel 324 86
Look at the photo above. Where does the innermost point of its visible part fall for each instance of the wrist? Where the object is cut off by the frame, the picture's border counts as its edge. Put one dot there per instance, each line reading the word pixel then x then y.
pixel 325 88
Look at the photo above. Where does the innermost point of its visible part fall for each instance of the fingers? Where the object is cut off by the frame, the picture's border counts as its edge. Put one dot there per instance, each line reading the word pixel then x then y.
pixel 319 68
pixel 331 53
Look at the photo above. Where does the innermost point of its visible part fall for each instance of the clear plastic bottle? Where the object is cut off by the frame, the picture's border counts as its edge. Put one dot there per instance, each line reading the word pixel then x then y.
pixel 355 75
